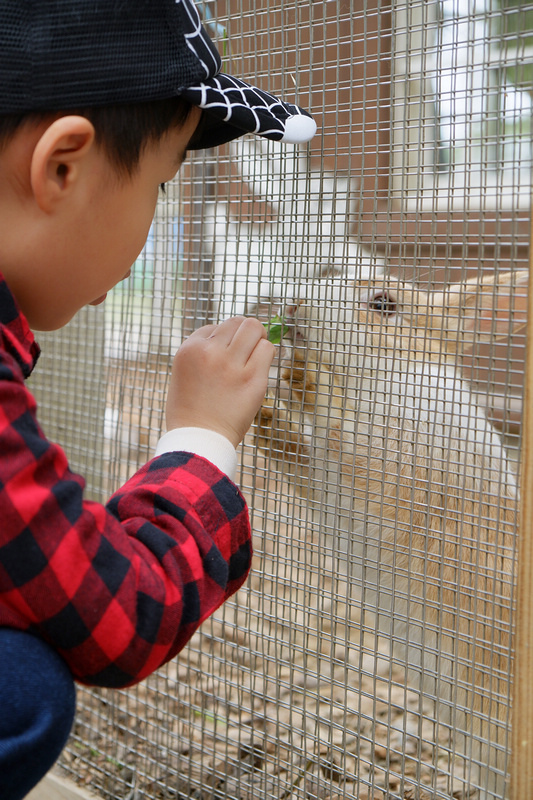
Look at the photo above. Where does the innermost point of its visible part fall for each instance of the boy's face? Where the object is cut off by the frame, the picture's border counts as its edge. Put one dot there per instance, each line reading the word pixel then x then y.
pixel 103 233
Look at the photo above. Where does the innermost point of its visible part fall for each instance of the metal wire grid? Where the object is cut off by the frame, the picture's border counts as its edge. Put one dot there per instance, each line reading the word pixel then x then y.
pixel 290 690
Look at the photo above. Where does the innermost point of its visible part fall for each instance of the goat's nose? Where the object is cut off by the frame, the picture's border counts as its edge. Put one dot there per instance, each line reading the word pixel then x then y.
pixel 290 310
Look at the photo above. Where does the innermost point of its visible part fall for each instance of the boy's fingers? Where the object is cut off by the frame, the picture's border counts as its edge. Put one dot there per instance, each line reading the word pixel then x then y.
pixel 246 338
pixel 203 333
pixel 241 334
pixel 263 354
pixel 225 331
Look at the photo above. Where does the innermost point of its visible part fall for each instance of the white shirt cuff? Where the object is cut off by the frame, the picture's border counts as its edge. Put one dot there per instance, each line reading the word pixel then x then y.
pixel 202 442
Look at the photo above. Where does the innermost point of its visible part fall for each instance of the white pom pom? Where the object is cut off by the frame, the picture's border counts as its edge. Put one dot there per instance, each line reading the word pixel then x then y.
pixel 298 129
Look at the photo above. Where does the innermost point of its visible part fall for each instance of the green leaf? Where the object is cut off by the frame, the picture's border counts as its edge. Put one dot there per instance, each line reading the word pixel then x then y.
pixel 276 329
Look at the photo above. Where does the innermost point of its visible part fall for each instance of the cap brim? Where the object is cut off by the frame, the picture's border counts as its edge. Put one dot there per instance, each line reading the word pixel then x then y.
pixel 232 108
pixel 210 133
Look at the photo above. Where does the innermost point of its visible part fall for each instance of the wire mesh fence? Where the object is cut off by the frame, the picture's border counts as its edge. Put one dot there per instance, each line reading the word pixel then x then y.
pixel 370 653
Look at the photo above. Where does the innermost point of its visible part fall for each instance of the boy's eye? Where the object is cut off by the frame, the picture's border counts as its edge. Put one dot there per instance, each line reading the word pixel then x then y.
pixel 163 188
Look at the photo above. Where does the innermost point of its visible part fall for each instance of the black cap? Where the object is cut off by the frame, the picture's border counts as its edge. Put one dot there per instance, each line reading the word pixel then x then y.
pixel 68 54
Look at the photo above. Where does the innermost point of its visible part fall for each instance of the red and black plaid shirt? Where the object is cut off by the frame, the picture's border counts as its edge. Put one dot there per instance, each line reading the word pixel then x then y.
pixel 119 589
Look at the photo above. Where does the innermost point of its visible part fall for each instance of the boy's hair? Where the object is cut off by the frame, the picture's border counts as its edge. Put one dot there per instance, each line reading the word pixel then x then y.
pixel 122 131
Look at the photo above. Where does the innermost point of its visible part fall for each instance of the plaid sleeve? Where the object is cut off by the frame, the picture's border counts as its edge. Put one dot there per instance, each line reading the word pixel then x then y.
pixel 117 589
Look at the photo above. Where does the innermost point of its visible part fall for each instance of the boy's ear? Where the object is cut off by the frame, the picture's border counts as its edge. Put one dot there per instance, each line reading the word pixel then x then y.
pixel 57 159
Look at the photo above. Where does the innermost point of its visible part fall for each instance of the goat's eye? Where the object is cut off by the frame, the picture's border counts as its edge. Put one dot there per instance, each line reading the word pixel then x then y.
pixel 383 303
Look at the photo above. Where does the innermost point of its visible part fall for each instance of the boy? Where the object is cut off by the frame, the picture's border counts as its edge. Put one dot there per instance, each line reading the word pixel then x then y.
pixel 99 102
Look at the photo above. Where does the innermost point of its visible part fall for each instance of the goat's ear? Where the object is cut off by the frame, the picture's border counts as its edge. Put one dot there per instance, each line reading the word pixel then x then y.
pixel 482 310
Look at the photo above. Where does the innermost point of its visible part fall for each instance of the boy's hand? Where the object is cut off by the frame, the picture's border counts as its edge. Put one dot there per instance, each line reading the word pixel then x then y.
pixel 219 378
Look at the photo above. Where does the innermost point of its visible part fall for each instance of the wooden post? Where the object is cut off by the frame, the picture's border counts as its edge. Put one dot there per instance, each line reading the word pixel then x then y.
pixel 522 733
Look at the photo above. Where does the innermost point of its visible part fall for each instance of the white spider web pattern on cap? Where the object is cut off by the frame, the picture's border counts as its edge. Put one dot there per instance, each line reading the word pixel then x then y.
pixel 233 101
pixel 198 41
pixel 252 110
